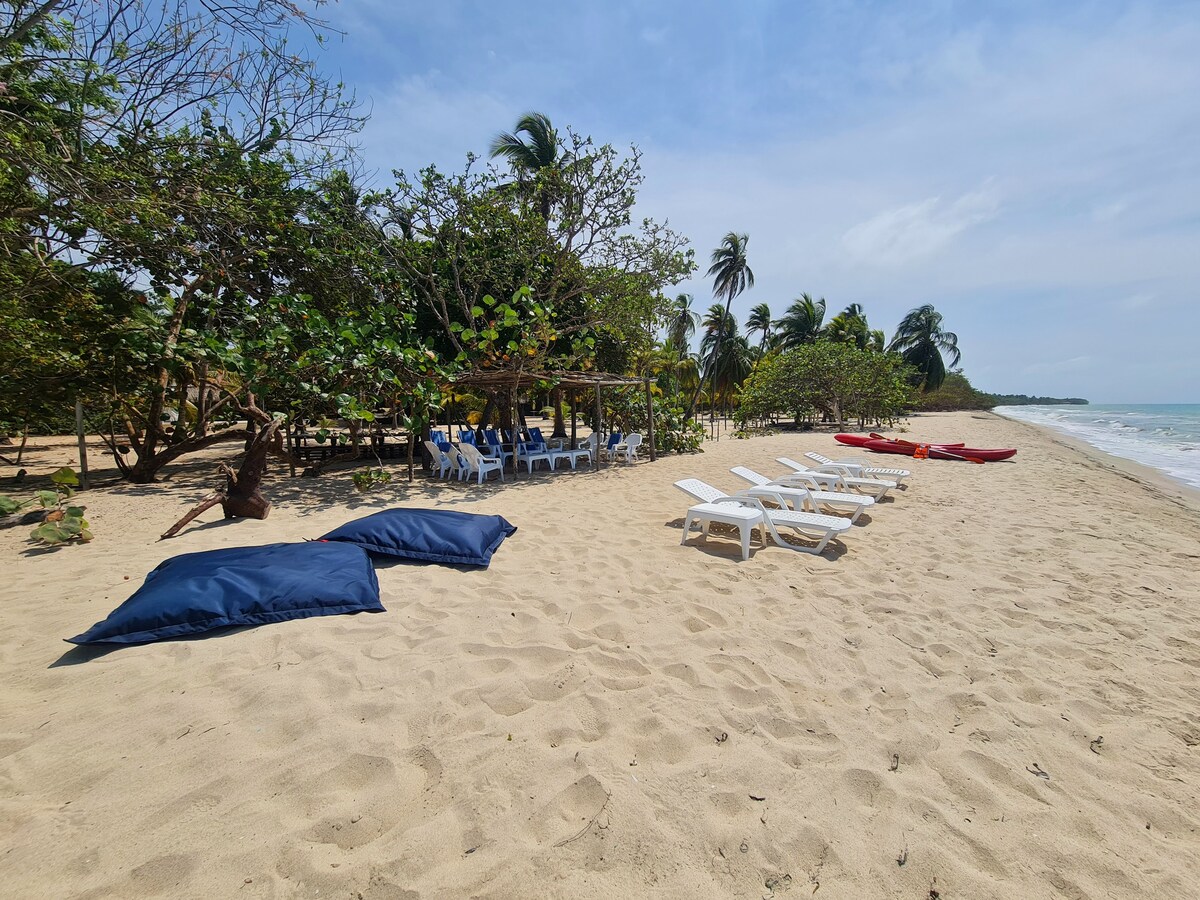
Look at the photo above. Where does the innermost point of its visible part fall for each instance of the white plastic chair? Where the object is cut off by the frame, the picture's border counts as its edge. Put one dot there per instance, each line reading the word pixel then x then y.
pixel 440 459
pixel 859 467
pixel 628 448
pixel 801 497
pixel 478 464
pixel 876 487
pixel 810 525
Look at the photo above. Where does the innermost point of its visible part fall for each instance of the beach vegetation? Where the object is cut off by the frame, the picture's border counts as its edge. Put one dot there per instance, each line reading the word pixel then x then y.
pixel 828 380
pixel 955 393
pixel 365 479
pixel 802 323
pixel 582 274
pixel 732 275
pixel 760 322
pixel 64 522
pixel 921 341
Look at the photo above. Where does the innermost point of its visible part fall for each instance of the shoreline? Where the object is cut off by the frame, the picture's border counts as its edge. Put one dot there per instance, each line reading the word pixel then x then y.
pixel 1149 477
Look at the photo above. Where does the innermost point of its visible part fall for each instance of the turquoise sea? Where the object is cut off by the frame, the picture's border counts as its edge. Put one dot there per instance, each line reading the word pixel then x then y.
pixel 1165 436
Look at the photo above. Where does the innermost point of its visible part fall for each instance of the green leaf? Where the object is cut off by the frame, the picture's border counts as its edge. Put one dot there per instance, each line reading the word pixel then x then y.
pixel 50 533
pixel 8 505
pixel 47 498
pixel 65 475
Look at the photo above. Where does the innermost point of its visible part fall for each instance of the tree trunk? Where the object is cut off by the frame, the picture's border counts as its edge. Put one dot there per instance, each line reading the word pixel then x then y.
pixel 240 497
pixel 560 426
pixel 24 441
pixel 146 469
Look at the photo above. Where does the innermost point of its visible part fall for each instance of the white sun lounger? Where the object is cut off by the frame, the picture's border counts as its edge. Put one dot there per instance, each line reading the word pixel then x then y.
pixel 876 487
pixel 859 468
pixel 852 504
pixel 747 512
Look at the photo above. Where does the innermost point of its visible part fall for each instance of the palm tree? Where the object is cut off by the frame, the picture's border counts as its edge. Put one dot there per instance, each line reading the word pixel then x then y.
pixel 760 321
pixel 802 323
pixel 717 321
pixel 850 327
pixel 732 368
pixel 532 158
pixel 682 323
pixel 731 275
pixel 921 341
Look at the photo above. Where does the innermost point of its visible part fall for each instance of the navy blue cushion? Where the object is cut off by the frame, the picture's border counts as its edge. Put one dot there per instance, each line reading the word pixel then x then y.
pixel 434 535
pixel 197 592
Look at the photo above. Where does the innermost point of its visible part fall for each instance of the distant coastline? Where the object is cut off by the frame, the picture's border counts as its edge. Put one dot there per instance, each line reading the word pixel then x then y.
pixel 1026 400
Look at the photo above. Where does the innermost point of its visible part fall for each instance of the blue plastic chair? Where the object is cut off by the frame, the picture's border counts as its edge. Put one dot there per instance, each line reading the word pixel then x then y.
pixel 494 445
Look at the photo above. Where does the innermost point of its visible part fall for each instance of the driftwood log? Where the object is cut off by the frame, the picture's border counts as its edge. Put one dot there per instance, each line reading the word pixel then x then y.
pixel 240 496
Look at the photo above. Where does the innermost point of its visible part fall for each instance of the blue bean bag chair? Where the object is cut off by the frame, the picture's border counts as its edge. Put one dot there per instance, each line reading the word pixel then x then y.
pixel 429 535
pixel 197 592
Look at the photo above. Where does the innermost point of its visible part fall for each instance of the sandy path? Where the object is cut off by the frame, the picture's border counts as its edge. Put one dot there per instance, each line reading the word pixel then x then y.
pixel 607 712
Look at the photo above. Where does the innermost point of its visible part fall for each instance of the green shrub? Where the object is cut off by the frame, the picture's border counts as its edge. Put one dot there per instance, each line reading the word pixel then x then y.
pixel 63 524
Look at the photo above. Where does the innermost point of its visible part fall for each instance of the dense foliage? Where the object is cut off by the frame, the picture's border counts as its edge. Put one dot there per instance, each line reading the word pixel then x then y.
pixel 955 393
pixel 180 250
pixel 837 381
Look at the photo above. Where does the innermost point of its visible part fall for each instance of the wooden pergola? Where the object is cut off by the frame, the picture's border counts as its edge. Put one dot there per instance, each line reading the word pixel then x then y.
pixel 495 381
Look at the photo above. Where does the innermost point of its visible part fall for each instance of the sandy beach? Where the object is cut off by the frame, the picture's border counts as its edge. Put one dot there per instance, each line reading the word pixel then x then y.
pixel 989 689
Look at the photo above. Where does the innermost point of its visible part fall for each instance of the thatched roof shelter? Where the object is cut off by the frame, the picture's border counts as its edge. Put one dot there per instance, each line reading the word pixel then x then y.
pixel 496 380
pixel 500 379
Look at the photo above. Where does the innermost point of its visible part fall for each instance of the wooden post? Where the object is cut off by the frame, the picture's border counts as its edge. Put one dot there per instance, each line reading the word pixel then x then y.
pixel 291 449
pixel 83 463
pixel 574 399
pixel 601 438
pixel 650 419
pixel 516 429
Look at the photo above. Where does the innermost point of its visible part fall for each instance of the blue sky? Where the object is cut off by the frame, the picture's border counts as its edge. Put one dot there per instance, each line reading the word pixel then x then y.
pixel 1030 168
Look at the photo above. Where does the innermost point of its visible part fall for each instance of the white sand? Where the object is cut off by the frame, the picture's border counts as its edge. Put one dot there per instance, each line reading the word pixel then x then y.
pixel 606 713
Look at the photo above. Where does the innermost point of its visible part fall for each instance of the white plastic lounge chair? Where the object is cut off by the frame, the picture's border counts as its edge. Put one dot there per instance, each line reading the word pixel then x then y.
pixel 717 506
pixel 628 448
pixel 478 464
pixel 440 459
pixel 801 497
pixel 876 487
pixel 859 468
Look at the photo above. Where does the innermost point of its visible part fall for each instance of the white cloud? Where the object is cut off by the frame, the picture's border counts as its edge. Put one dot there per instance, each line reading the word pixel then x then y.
pixel 916 230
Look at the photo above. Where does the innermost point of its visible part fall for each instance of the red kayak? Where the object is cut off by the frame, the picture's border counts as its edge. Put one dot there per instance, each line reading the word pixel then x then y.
pixel 938 451
pixel 861 440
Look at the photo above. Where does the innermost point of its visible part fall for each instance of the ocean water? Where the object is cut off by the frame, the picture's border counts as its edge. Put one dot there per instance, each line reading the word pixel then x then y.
pixel 1164 436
